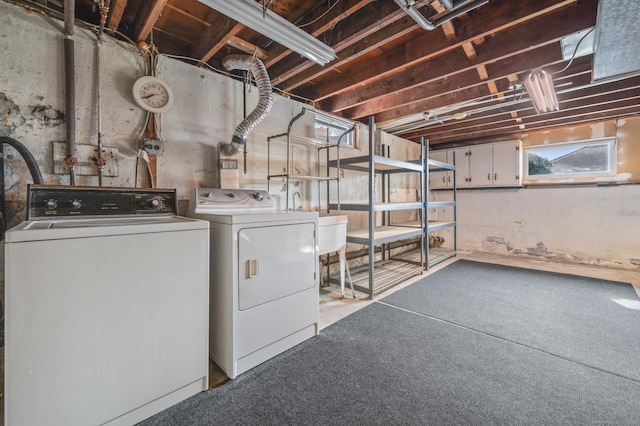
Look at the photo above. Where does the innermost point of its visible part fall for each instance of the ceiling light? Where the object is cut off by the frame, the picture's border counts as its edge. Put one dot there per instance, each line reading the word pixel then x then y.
pixel 540 87
pixel 252 15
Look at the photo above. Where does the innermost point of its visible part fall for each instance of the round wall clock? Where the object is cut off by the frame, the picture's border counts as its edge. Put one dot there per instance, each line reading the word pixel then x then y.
pixel 152 94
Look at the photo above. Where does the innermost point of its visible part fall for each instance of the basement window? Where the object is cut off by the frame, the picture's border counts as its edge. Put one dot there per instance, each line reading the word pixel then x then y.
pixel 565 161
pixel 333 131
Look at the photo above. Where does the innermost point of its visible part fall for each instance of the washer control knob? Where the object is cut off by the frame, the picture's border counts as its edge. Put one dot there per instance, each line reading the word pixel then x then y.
pixel 257 196
pixel 51 203
pixel 156 204
pixel 76 204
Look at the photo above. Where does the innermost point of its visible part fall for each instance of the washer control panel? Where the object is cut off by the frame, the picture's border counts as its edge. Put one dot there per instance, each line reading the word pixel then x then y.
pixel 46 201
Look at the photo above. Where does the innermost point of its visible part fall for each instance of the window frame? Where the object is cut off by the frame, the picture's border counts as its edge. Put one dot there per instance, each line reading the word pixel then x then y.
pixel 610 142
pixel 325 122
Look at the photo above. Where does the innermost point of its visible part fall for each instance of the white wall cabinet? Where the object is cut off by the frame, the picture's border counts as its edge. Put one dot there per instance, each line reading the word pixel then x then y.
pixel 444 179
pixel 440 179
pixel 480 166
pixel 507 163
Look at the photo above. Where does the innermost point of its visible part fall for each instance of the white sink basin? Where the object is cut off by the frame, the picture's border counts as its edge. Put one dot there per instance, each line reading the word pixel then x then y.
pixel 332 233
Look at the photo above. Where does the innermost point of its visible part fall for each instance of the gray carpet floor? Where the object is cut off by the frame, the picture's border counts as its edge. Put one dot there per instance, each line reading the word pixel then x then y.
pixel 577 318
pixel 388 365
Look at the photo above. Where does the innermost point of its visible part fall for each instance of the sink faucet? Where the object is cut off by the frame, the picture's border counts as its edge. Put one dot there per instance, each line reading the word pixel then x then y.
pixel 294 200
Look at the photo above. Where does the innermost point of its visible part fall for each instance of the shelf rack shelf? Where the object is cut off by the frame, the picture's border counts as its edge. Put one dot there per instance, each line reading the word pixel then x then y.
pixel 380 275
pixel 292 139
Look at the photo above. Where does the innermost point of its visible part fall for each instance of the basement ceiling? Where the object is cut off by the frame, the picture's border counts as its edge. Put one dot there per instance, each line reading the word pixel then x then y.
pixel 457 84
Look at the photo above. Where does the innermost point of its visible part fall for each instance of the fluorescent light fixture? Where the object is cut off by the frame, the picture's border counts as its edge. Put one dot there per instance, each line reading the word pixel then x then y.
pixel 540 87
pixel 252 15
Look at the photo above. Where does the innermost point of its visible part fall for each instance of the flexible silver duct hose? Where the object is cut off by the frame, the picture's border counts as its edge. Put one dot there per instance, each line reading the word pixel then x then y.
pixel 265 99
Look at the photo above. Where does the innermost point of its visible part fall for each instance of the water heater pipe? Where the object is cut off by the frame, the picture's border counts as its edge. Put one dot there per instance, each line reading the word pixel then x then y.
pixel 265 99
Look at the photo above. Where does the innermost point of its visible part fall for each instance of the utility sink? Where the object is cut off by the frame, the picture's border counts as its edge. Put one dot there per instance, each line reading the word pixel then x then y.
pixel 332 233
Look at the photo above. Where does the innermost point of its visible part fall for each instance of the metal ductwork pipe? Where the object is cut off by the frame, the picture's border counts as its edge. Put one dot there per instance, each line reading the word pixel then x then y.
pixel 456 9
pixel 415 15
pixel 454 4
pixel 70 87
pixel 265 99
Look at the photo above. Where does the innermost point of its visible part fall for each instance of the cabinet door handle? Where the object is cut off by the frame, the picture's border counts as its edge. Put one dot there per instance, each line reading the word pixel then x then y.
pixel 449 179
pixel 495 176
pixel 488 176
pixel 443 179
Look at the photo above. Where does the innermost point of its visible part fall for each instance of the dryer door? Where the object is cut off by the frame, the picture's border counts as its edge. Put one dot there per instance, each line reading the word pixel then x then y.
pixel 275 262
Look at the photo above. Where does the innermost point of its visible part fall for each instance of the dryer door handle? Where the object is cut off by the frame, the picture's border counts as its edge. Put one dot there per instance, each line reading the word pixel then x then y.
pixel 252 268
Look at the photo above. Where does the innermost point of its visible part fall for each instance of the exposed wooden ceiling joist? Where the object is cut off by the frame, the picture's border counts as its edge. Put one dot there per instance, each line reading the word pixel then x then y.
pixel 390 68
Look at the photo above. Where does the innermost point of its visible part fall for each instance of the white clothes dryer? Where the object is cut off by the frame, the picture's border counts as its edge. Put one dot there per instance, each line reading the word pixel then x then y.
pixel 264 276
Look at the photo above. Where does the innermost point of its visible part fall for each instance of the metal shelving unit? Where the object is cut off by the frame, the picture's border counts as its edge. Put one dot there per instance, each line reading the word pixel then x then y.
pixel 291 139
pixel 380 275
pixel 438 254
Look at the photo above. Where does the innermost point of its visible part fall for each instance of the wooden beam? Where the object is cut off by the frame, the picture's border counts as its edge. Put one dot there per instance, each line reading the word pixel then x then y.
pixel 320 21
pixel 421 49
pixel 447 28
pixel 366 23
pixel 247 47
pixel 493 89
pixel 149 14
pixel 116 10
pixel 508 45
pixel 440 85
pixel 469 50
pixel 297 77
pixel 568 119
pixel 523 108
pixel 397 91
pixel 215 38
pixel 482 72
pixel 579 75
pixel 589 99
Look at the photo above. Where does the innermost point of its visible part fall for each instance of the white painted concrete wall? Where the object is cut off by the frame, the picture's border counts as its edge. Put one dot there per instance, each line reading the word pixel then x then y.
pixel 207 108
pixel 587 225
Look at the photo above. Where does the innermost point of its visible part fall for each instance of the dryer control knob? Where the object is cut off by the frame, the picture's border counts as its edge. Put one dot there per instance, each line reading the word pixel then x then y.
pixel 257 196
pixel 51 203
pixel 76 204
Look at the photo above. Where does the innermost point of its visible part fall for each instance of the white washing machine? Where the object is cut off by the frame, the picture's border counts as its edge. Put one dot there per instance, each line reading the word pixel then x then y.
pixel 106 306
pixel 264 276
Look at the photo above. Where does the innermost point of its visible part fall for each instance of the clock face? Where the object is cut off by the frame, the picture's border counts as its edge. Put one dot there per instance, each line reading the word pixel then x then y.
pixel 152 94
